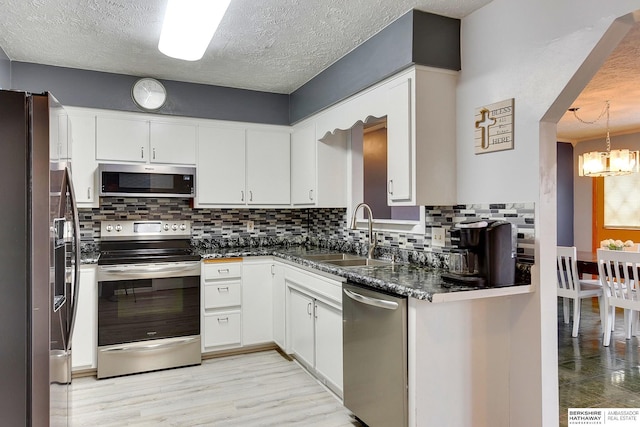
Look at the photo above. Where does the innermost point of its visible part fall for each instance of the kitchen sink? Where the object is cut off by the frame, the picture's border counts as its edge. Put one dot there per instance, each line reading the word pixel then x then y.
pixel 332 257
pixel 357 262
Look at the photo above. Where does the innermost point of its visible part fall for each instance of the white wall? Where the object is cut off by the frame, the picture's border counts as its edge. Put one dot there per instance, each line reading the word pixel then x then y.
pixel 583 188
pixel 530 51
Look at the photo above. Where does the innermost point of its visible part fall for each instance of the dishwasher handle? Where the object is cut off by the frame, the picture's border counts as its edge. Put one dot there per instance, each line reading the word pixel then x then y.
pixel 376 302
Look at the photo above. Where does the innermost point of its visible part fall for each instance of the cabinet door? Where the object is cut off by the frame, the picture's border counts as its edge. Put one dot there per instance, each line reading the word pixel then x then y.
pixel 400 165
pixel 279 298
pixel 303 166
pixel 122 139
pixel 301 326
pixel 82 131
pixel 221 166
pixel 173 143
pixel 329 342
pixel 85 333
pixel 268 167
pixel 257 294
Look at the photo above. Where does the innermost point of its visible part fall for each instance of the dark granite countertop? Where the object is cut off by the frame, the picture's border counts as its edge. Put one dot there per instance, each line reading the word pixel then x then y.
pixel 402 279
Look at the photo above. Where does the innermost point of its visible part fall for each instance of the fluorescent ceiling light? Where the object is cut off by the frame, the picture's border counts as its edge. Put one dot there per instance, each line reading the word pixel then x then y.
pixel 189 26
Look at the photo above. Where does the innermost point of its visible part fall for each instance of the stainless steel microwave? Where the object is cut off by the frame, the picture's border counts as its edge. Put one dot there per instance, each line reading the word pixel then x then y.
pixel 146 180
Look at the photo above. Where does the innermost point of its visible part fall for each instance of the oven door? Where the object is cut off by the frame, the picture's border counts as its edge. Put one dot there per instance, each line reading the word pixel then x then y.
pixel 138 302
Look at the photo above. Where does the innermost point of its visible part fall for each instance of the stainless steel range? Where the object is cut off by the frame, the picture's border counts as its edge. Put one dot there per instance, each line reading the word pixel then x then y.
pixel 148 297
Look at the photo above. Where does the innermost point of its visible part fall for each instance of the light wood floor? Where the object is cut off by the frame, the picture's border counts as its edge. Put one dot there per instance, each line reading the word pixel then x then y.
pixel 258 389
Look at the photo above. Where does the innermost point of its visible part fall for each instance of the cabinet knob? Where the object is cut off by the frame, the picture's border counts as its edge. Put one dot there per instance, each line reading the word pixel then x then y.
pixel 223 319
pixel 154 154
pixel 250 196
pixel 223 289
pixel 88 192
pixel 310 194
pixel 223 270
pixel 390 187
pixel 242 195
pixel 309 309
pixel 142 152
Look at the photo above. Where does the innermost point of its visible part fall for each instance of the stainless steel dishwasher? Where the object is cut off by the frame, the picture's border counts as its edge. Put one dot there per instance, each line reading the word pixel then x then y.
pixel 375 355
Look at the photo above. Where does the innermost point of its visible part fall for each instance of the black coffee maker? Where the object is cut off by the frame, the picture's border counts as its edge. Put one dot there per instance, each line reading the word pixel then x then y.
pixel 487 249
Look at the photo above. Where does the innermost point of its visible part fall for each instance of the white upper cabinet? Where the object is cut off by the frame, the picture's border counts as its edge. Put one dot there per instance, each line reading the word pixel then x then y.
pixel 268 167
pixel 82 132
pixel 303 165
pixel 318 167
pixel 122 139
pixel 138 139
pixel 400 165
pixel 433 137
pixel 221 166
pixel 420 107
pixel 173 143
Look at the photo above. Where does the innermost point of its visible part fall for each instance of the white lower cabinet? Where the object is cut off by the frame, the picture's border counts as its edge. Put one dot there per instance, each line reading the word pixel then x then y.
pixel 257 314
pixel 85 333
pixel 301 326
pixel 221 291
pixel 279 306
pixel 314 325
pixel 328 332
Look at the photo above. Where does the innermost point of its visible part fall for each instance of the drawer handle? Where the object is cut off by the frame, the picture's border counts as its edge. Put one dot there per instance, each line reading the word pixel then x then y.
pixel 223 319
pixel 223 289
pixel 223 270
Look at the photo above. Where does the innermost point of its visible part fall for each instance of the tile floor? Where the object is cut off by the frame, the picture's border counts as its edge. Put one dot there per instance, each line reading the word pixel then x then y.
pixel 591 375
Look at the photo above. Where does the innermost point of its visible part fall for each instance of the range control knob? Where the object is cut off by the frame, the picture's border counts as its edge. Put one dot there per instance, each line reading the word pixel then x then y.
pixel 118 227
pixel 109 228
pixel 166 227
pixel 183 227
pixel 174 227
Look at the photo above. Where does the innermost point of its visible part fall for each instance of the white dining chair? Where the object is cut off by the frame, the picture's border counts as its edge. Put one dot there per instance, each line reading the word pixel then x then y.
pixel 619 274
pixel 572 288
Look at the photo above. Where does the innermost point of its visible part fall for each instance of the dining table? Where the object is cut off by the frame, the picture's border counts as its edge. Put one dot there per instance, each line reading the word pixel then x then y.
pixel 587 263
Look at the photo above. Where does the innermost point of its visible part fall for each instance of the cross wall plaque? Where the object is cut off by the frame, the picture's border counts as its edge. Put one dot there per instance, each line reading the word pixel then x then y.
pixel 494 127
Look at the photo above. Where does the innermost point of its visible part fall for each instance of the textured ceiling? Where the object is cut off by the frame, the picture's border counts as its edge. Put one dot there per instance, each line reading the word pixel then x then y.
pixel 617 81
pixel 266 45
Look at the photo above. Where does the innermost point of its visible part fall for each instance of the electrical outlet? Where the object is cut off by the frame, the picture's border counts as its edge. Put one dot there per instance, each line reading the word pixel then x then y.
pixel 437 236
pixel 250 226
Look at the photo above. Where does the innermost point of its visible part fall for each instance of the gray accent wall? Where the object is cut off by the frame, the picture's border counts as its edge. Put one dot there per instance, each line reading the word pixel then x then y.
pixel 565 194
pixel 415 38
pixel 5 70
pixel 93 89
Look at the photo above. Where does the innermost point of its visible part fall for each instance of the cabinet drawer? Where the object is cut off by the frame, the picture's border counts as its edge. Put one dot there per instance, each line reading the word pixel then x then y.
pixel 223 270
pixel 217 295
pixel 222 329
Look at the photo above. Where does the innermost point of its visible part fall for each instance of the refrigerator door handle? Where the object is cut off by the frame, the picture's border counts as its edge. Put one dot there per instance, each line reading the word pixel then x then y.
pixel 76 277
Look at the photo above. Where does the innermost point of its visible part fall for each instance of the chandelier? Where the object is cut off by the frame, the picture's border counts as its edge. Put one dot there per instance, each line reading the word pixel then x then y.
pixel 609 162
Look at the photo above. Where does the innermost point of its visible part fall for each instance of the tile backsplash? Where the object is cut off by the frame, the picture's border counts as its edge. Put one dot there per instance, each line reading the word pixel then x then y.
pixel 323 226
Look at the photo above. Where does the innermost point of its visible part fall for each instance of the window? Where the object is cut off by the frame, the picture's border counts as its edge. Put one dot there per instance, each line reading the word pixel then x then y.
pixel 622 201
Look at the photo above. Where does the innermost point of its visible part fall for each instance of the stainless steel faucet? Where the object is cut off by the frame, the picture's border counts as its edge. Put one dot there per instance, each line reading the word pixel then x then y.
pixel 372 237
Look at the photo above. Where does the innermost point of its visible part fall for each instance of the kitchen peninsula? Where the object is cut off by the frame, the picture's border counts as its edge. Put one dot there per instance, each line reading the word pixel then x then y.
pixel 457 340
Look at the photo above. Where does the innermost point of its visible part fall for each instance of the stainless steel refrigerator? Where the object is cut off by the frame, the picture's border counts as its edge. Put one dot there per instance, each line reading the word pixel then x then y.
pixel 39 260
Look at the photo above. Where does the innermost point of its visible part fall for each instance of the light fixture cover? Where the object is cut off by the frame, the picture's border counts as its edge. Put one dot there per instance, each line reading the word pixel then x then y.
pixel 608 163
pixel 189 26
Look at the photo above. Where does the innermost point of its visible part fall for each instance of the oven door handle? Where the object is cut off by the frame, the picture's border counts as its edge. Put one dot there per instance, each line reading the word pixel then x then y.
pixel 150 347
pixel 166 269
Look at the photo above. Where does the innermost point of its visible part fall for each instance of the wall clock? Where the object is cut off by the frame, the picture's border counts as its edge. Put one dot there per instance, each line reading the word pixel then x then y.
pixel 149 94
